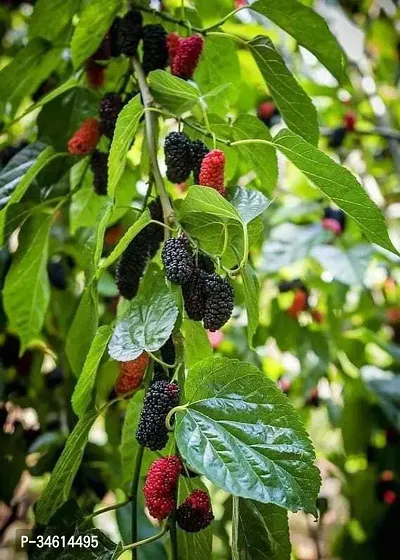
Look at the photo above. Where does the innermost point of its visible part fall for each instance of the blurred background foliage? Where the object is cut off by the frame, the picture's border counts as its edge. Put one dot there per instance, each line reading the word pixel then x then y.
pixel 329 331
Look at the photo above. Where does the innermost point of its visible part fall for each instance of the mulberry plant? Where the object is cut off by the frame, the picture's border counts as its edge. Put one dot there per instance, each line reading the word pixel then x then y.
pixel 194 290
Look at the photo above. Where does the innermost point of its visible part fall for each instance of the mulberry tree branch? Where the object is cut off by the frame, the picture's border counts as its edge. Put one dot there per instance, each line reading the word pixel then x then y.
pixel 150 122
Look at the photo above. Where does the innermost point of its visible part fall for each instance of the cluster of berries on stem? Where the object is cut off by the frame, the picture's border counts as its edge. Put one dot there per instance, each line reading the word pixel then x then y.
pixel 207 296
pixel 160 490
pixel 182 156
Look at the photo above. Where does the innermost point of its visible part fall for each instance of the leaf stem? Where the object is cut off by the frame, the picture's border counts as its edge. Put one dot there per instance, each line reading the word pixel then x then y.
pixel 106 509
pixel 150 122
pixel 171 414
pixel 158 360
pixel 134 491
pixel 135 545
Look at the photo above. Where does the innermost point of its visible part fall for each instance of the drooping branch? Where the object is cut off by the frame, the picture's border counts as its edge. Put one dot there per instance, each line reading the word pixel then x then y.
pixel 150 122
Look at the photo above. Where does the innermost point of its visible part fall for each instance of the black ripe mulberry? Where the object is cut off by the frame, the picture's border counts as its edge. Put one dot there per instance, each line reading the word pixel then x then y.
pixel 98 165
pixel 337 137
pixel 198 151
pixel 205 263
pixel 178 157
pixel 193 291
pixel 129 33
pixel 195 513
pixel 161 397
pixel 177 260
pixel 110 107
pixel 134 259
pixel 194 295
pixel 155 51
pixel 219 302
pixel 57 274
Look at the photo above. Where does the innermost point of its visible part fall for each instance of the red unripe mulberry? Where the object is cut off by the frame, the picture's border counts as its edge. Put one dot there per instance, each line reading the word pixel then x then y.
pixel 160 487
pixel 173 41
pixel 299 303
pixel 131 374
pixel 195 513
pixel 85 139
pixel 266 110
pixel 95 74
pixel 185 55
pixel 349 120
pixel 212 171
pixel 332 225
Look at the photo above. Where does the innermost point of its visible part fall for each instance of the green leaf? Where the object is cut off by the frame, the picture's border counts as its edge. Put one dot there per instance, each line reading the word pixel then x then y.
pixel 193 545
pixel 294 104
pixel 289 243
pixel 243 434
pixel 17 176
pixel 82 395
pixel 251 288
pixel 123 243
pixel 65 86
pixel 385 385
pixel 125 131
pixel 260 531
pixel 308 28
pixel 338 184
pixel 197 345
pixel 209 217
pixel 149 320
pixel 27 70
pixel 218 68
pixel 86 205
pixel 249 203
pixel 95 20
pixel 63 115
pixel 58 489
pixel 129 446
pixel 260 158
pixel 83 329
pixel 348 267
pixel 26 289
pixel 48 20
pixel 171 92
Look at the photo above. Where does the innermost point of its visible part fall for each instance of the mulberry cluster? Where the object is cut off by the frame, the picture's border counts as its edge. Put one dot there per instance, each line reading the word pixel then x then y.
pixel 129 32
pixel 177 259
pixel 184 54
pixel 195 513
pixel 212 171
pixel 183 156
pixel 86 138
pixel 155 51
pixel 131 374
pixel 160 486
pixel 178 157
pixel 334 220
pixel 98 165
pixel 161 397
pixel 207 296
pixel 135 257
pixel 110 107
